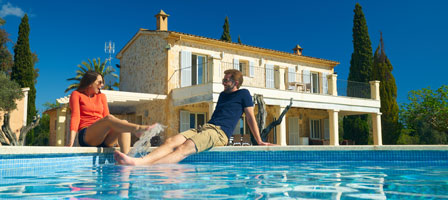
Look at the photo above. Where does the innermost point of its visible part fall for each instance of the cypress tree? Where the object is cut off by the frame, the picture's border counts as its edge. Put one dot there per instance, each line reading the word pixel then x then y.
pixel 5 55
pixel 382 71
pixel 226 31
pixel 22 70
pixel 356 127
pixel 239 40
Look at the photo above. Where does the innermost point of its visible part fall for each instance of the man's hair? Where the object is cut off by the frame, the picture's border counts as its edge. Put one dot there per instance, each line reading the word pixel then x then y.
pixel 236 76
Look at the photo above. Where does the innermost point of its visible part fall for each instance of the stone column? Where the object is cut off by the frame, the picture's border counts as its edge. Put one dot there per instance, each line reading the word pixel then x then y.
pixel 375 90
pixel 281 128
pixel 60 127
pixel 376 123
pixel 334 127
pixel 216 72
pixel 211 109
pixel 281 74
pixel 332 84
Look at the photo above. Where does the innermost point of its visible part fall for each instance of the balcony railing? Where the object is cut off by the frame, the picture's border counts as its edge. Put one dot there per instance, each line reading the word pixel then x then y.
pixel 276 77
pixel 353 89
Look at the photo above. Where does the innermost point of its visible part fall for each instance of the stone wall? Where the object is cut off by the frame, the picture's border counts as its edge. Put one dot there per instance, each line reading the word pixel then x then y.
pixel 143 65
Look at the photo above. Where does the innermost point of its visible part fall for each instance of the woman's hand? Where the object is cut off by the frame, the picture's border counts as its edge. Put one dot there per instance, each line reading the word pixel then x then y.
pixel 143 129
pixel 71 139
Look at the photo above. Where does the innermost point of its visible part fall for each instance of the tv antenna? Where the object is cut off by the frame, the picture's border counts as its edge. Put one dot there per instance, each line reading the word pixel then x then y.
pixel 109 48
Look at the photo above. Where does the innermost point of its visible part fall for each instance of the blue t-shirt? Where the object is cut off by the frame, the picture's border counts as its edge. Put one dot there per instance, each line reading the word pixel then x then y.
pixel 229 109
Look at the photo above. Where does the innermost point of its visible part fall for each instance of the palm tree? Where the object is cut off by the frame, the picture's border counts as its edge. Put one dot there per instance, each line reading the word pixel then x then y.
pixel 93 65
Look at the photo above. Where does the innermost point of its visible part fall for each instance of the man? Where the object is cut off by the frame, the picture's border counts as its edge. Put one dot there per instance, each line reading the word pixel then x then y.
pixel 231 104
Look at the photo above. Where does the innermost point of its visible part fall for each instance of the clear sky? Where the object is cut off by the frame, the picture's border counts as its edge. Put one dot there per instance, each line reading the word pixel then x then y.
pixel 65 33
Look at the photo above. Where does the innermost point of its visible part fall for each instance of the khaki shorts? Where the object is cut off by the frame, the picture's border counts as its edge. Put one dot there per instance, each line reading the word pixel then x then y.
pixel 209 136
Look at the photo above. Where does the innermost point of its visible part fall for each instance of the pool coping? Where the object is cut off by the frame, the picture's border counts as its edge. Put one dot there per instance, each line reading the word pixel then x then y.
pixel 11 150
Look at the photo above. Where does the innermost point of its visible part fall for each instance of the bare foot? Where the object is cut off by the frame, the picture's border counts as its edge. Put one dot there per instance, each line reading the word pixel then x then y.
pixel 123 159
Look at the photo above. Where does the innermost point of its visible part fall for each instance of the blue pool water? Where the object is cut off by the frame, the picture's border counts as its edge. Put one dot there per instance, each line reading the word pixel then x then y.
pixel 232 180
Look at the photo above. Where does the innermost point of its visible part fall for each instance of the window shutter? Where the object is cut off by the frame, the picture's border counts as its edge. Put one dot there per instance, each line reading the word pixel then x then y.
pixel 185 69
pixel 236 64
pixel 293 130
pixel 306 76
pixel 325 82
pixel 251 69
pixel 291 76
pixel 269 76
pixel 184 121
pixel 306 79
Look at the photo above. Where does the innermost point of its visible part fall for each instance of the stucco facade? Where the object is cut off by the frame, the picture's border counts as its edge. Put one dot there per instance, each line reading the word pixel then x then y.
pixel 187 71
pixel 18 116
pixel 164 52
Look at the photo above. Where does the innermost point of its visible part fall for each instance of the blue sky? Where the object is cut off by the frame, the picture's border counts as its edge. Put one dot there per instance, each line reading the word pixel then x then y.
pixel 65 33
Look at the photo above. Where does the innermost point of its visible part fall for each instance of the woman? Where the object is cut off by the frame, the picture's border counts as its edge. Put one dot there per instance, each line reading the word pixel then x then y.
pixel 91 118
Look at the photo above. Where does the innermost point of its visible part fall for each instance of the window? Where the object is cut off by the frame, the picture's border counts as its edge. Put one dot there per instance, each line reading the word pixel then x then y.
pixel 269 76
pixel 244 67
pixel 272 76
pixel 311 80
pixel 189 120
pixel 315 130
pixel 197 119
pixel 193 69
pixel 198 69
pixel 291 77
pixel 242 127
pixel 315 82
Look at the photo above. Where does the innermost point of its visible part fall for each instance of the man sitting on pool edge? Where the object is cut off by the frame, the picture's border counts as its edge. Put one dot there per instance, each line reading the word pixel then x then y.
pixel 231 104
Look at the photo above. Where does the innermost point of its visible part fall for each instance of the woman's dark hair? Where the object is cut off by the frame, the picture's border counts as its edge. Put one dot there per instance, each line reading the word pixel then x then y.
pixel 88 78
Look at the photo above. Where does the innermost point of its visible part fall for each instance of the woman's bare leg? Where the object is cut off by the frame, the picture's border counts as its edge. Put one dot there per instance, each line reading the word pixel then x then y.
pixel 97 132
pixel 168 147
pixel 123 139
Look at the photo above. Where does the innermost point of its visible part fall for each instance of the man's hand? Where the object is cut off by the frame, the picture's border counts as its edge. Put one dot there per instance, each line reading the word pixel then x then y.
pixel 266 144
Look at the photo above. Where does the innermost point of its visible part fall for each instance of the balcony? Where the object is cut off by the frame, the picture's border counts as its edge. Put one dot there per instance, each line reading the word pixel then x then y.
pixel 309 89
pixel 301 81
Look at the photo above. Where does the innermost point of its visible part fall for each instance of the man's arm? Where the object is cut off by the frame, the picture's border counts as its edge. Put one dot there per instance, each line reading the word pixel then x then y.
pixel 250 117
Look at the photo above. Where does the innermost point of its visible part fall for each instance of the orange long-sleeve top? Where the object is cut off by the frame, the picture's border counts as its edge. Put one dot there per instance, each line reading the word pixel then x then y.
pixel 87 110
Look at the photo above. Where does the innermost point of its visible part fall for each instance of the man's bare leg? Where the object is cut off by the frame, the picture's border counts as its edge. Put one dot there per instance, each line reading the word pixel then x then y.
pixel 168 147
pixel 183 151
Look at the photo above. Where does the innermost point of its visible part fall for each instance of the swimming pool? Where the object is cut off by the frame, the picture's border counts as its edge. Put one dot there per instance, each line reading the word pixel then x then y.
pixel 266 173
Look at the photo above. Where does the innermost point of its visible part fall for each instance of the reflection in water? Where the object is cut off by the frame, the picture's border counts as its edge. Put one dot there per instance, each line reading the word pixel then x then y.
pixel 247 180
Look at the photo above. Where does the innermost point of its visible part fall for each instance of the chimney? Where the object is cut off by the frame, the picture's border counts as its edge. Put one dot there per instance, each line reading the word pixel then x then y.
pixel 298 50
pixel 162 21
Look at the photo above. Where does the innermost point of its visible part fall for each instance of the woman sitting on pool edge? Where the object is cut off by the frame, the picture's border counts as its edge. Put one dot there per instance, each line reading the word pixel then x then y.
pixel 90 117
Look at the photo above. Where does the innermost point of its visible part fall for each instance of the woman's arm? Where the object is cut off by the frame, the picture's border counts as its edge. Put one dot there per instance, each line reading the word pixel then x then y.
pixel 75 117
pixel 71 140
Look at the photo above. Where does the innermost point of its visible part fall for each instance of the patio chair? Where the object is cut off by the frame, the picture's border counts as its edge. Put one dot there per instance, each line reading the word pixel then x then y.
pixel 246 140
pixel 348 142
pixel 237 140
pixel 230 143
pixel 316 142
